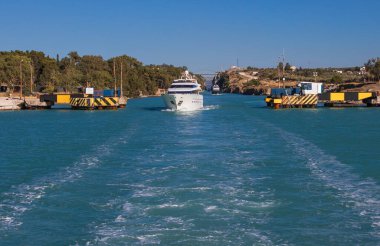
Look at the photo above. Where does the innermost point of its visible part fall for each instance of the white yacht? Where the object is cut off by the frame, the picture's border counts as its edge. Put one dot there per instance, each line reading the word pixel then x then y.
pixel 184 94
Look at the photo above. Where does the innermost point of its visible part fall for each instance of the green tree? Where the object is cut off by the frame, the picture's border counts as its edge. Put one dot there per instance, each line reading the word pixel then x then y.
pixel 373 67
pixel 287 66
pixel 336 79
pixel 73 70
pixel 280 66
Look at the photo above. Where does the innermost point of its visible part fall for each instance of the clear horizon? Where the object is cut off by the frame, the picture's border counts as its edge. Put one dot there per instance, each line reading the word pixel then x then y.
pixel 205 36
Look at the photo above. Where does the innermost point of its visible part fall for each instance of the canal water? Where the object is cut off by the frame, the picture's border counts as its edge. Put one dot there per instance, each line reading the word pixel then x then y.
pixel 234 173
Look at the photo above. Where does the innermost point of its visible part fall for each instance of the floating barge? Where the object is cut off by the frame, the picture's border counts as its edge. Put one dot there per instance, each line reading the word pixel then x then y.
pixel 309 95
pixel 349 99
pixel 95 103
pixel 304 96
pixel 90 100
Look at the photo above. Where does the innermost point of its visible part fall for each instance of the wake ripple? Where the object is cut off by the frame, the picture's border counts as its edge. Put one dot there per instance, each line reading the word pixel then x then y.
pixel 204 108
pixel 137 221
pixel 124 227
pixel 363 195
pixel 231 207
pixel 20 198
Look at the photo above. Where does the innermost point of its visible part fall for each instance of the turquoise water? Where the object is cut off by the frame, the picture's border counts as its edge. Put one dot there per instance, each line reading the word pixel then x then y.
pixel 235 173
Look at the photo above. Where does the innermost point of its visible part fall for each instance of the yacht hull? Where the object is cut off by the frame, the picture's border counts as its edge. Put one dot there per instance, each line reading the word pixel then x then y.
pixel 183 102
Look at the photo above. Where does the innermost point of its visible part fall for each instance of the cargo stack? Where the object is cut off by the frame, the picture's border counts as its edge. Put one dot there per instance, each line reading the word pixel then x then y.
pixel 96 99
pixel 303 96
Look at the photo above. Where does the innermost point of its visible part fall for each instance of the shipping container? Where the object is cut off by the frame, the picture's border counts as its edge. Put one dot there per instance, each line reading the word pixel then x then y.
pixel 108 93
pixel 98 93
pixel 48 98
pixel 311 88
pixel 89 91
pixel 63 98
pixel 279 92
pixel 77 95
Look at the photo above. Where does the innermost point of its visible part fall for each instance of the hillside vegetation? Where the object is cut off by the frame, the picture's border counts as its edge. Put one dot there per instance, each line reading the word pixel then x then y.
pixel 48 74
pixel 257 81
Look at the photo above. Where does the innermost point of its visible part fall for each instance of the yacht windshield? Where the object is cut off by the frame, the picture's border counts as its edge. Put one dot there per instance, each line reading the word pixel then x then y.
pixel 183 86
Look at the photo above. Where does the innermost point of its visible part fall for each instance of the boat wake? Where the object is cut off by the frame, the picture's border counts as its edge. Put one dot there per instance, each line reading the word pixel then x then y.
pixel 204 108
pixel 20 198
pixel 232 210
pixel 210 107
pixel 134 222
pixel 361 195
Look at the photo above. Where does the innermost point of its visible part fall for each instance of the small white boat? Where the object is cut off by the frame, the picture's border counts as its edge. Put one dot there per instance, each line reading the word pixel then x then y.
pixel 215 89
pixel 184 94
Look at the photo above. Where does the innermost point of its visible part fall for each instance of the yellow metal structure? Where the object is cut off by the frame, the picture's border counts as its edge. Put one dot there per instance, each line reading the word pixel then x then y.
pixel 106 102
pixel 304 100
pixel 95 103
pixel 298 101
pixel 337 96
pixel 350 96
pixel 364 95
pixel 82 102
pixel 63 98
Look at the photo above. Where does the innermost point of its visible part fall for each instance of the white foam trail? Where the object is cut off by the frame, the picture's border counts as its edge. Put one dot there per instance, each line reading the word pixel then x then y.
pixel 120 218
pixel 210 209
pixel 20 198
pixel 145 218
pixel 204 108
pixel 125 223
pixel 149 239
pixel 361 194
pixel 210 107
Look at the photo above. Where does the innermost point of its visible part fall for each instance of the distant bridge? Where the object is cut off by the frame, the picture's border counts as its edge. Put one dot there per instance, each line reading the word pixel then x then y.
pixel 208 74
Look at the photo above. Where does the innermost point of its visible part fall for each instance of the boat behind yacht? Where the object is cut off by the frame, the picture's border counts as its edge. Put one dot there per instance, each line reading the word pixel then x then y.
pixel 215 89
pixel 184 94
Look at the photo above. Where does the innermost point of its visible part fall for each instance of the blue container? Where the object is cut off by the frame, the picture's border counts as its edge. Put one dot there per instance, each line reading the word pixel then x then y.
pixel 296 90
pixel 281 91
pixel 108 93
pixel 98 93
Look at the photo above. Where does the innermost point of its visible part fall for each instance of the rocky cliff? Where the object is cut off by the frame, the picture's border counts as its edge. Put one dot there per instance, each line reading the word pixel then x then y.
pixel 247 82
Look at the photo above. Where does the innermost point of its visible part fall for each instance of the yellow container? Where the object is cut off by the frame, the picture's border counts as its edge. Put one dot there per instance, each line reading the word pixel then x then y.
pixel 277 100
pixel 364 95
pixel 337 96
pixel 63 99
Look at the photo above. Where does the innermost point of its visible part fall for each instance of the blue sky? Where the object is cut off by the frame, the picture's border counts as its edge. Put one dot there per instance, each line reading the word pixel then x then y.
pixel 204 35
